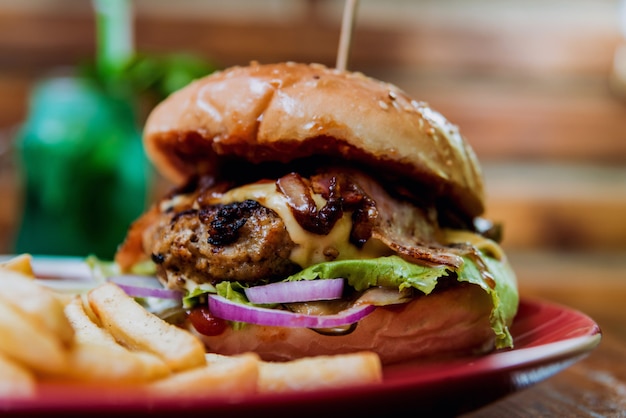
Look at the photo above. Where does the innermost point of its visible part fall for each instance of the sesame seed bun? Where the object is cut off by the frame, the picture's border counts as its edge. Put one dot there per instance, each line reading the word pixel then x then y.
pixel 284 112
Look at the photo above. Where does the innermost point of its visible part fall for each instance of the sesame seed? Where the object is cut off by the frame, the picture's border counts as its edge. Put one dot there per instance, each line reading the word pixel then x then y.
pixel 383 105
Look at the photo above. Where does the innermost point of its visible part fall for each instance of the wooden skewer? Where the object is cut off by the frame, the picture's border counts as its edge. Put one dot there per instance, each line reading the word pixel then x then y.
pixel 345 39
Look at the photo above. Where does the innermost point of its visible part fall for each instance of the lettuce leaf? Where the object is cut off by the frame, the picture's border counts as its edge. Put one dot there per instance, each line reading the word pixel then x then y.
pixel 391 271
pixel 505 297
pixel 233 291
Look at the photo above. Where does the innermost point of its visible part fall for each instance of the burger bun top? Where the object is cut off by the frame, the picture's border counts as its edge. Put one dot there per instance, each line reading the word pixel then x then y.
pixel 287 111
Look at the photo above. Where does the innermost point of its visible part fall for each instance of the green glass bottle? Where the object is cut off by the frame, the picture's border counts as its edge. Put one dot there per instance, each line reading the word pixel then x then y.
pixel 85 176
pixel 84 172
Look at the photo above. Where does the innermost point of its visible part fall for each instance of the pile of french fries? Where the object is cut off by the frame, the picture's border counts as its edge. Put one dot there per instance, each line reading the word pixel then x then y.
pixel 106 339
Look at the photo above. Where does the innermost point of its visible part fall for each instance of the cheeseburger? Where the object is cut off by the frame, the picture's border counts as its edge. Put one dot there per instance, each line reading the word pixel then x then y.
pixel 319 211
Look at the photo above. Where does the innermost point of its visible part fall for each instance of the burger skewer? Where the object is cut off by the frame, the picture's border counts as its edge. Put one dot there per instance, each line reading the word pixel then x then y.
pixel 345 38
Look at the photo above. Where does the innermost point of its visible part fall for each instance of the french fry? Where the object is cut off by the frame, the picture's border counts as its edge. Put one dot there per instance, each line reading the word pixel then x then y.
pixel 29 343
pixel 319 372
pixel 138 329
pixel 102 364
pixel 20 264
pixel 36 302
pixel 220 377
pixel 15 380
pixel 97 356
pixel 85 328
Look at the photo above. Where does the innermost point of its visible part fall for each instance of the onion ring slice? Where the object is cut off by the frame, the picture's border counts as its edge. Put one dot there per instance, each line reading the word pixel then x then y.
pixel 298 291
pixel 144 287
pixel 232 311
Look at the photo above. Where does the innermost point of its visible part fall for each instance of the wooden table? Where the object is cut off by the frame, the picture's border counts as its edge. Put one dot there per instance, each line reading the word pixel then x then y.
pixel 595 386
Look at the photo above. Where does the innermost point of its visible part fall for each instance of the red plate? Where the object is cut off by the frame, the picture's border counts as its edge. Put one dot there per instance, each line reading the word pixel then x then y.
pixel 548 338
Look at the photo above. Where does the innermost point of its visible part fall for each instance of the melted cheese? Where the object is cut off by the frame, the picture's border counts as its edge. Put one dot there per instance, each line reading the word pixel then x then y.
pixel 310 247
pixel 486 245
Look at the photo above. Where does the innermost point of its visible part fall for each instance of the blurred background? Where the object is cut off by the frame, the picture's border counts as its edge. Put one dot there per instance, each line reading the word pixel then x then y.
pixel 538 88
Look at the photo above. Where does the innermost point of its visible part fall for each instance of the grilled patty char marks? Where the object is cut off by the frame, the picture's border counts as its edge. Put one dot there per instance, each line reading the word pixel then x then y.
pixel 242 241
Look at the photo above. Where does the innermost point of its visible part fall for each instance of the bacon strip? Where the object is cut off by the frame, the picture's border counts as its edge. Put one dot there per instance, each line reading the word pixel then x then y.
pixel 405 228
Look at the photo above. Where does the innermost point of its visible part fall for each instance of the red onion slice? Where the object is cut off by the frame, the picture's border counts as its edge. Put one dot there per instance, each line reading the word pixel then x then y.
pixel 144 286
pixel 299 291
pixel 232 311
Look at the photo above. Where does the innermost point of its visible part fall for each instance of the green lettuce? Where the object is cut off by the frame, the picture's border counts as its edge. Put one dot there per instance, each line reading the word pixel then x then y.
pixel 505 296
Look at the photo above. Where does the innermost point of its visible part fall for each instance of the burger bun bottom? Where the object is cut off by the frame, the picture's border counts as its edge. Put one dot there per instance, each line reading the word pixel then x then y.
pixel 450 322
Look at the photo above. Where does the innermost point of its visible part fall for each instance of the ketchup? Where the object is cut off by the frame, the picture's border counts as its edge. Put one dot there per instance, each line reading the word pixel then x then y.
pixel 205 323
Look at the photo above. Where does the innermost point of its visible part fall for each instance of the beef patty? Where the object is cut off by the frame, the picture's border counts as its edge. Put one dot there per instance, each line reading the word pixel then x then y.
pixel 242 241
